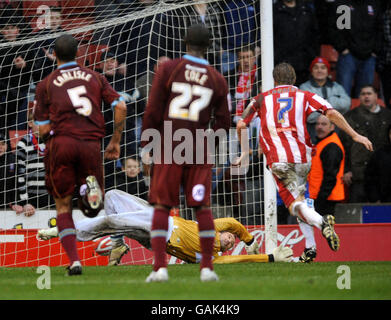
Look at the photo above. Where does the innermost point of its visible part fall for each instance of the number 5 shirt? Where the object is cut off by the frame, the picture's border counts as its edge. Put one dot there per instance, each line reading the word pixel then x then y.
pixel 70 99
pixel 283 112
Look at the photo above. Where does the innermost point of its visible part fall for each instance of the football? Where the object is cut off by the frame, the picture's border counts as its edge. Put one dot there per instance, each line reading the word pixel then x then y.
pixel 103 246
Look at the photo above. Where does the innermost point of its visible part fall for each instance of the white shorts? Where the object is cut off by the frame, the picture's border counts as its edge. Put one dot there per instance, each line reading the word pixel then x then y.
pixel 291 180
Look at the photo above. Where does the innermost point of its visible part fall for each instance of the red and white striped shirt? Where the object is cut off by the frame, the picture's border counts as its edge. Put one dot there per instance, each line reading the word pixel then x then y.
pixel 283 112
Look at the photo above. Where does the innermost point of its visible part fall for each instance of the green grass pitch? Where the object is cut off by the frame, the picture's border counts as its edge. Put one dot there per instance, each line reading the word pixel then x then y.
pixel 246 281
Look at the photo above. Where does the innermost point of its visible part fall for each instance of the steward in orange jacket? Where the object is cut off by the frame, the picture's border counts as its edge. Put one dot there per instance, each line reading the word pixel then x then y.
pixel 325 178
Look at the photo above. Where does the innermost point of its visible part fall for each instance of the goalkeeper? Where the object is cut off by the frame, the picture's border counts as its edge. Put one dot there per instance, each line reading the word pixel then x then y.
pixel 130 216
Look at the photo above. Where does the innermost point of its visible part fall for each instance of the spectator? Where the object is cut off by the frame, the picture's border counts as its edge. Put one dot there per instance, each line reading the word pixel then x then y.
pixel 7 174
pixel 243 83
pixel 45 60
pixel 150 35
pixel 15 74
pixel 327 168
pixel 131 180
pixel 371 120
pixel 322 9
pixel 329 90
pixel 242 21
pixel 378 174
pixel 109 67
pixel 358 45
pixel 384 65
pixel 296 36
pixel 211 16
pixel 325 183
pixel 32 193
pixel 143 85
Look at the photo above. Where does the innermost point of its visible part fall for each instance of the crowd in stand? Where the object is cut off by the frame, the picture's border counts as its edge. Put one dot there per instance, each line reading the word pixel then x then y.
pixel 302 29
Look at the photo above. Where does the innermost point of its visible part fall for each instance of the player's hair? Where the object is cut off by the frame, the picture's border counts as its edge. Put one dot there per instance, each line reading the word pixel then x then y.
pixel 66 48
pixel 284 73
pixel 197 38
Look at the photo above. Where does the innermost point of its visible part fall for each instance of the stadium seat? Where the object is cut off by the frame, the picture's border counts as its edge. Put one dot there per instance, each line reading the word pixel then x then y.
pixel 328 52
pixel 15 136
pixel 356 102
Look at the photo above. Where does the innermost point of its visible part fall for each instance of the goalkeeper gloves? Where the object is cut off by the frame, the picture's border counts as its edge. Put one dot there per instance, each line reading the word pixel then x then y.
pixel 253 248
pixel 282 254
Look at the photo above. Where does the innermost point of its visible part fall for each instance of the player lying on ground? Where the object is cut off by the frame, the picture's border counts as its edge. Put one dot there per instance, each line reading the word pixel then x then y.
pixel 130 216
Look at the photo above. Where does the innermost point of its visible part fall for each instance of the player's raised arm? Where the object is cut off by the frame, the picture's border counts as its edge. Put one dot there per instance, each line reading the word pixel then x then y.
pixel 117 102
pixel 112 151
pixel 318 103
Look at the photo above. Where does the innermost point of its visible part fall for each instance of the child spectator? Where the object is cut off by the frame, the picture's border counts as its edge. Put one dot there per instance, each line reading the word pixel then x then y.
pixel 131 180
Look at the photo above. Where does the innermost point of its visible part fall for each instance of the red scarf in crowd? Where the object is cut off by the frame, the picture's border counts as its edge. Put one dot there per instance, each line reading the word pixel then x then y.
pixel 34 140
pixel 243 89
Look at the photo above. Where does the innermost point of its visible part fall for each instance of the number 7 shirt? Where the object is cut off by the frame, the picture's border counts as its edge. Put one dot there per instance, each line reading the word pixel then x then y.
pixel 283 112
pixel 70 99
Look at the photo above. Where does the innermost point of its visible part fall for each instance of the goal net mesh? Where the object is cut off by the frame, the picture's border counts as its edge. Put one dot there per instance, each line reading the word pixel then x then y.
pixel 126 41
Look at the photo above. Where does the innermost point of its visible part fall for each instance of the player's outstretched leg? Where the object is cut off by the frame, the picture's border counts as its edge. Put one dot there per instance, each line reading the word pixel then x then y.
pixel 329 232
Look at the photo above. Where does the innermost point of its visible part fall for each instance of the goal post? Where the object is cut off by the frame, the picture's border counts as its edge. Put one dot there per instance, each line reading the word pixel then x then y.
pixel 136 34
pixel 267 55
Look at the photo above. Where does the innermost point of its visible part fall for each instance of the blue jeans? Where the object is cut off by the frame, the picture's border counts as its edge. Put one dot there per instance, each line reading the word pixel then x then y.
pixel 350 68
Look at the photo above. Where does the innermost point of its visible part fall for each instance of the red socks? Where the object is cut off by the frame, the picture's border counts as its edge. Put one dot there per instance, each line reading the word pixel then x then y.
pixel 207 236
pixel 158 237
pixel 67 234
